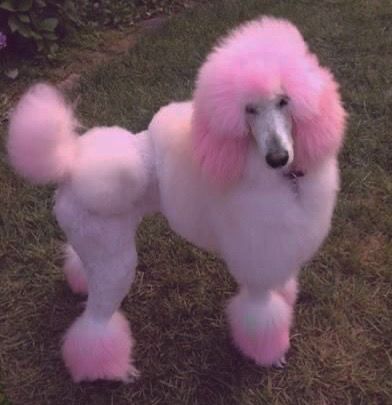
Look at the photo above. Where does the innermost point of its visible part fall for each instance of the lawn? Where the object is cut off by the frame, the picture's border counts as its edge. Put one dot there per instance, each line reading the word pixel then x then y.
pixel 341 341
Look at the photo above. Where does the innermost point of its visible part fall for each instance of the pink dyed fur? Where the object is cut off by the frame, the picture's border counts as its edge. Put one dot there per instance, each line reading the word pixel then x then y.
pixel 74 272
pixel 260 58
pixel 260 328
pixel 94 350
pixel 221 158
pixel 41 142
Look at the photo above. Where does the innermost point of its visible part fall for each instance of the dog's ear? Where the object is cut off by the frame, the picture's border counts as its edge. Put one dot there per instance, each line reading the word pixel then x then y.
pixel 319 122
pixel 222 158
pixel 219 133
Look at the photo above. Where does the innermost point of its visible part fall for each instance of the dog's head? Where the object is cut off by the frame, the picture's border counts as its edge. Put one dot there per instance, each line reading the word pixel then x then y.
pixel 261 85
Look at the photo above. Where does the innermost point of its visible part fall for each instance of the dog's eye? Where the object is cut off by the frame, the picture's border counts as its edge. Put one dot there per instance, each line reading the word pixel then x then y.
pixel 283 101
pixel 251 109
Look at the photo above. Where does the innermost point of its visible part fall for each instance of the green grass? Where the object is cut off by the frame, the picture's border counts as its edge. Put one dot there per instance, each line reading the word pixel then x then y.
pixel 341 351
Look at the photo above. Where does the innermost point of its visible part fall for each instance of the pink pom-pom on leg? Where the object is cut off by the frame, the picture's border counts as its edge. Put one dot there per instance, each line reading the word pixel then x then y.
pixel 95 349
pixel 260 326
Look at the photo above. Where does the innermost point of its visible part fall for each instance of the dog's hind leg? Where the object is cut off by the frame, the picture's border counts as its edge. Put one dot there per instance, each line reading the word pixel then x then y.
pixel 98 345
pixel 74 271
pixel 289 291
pixel 260 321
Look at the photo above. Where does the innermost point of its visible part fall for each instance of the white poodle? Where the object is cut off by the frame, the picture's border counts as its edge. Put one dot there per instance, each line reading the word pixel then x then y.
pixel 247 170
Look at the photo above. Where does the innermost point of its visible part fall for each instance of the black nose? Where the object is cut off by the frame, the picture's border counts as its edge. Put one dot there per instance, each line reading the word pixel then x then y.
pixel 277 159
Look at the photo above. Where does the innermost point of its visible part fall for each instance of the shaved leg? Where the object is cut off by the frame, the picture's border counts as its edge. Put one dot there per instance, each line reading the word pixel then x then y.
pixel 74 271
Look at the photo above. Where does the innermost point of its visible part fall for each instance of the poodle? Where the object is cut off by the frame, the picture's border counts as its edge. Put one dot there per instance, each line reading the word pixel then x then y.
pixel 247 170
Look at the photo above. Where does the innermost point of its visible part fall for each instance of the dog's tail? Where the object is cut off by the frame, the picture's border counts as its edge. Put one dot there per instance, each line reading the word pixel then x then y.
pixel 42 138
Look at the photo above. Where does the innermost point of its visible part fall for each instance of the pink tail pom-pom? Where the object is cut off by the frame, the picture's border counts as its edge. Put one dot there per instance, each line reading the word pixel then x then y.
pixel 42 142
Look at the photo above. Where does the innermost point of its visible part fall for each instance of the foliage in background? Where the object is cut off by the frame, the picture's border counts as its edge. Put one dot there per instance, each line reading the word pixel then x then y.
pixel 40 25
pixel 3 398
pixel 123 13
pixel 36 25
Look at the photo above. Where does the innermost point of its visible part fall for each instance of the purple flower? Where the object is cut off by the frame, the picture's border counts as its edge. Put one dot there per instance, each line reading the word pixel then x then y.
pixel 3 40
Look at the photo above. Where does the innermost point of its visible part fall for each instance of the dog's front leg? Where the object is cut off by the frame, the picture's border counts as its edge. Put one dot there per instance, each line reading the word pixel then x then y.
pixel 260 315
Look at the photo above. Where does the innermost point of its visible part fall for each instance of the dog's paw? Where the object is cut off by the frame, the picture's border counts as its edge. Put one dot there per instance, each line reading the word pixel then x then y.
pixel 281 363
pixel 260 327
pixel 132 376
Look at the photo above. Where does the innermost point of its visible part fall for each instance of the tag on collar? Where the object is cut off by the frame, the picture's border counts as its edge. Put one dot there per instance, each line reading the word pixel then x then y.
pixel 295 174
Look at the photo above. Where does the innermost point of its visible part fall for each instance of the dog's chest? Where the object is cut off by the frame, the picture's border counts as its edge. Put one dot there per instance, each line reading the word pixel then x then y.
pixel 270 226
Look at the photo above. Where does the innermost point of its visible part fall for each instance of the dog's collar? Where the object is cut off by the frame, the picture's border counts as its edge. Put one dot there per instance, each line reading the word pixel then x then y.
pixel 293 176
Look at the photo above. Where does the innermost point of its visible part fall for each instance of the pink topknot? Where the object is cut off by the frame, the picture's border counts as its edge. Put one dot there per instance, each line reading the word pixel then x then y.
pixel 261 58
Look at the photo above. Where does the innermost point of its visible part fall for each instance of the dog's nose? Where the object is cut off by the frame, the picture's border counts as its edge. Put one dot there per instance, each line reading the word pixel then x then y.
pixel 278 158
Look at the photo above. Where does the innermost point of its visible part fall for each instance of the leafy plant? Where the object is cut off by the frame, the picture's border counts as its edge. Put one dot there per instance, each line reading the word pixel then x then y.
pixel 40 25
pixel 42 22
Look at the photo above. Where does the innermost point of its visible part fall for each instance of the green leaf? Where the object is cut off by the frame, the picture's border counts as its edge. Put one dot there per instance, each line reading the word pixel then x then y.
pixel 7 5
pixel 24 18
pixel 12 73
pixel 25 31
pixel 40 45
pixel 49 24
pixel 25 5
pixel 41 3
pixel 17 26
pixel 54 48
pixel 13 23
pixel 50 35
pixel 35 35
pixel 34 19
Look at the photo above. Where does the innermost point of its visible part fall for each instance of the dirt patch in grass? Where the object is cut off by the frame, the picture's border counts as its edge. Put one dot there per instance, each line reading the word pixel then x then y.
pixel 341 347
pixel 373 249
